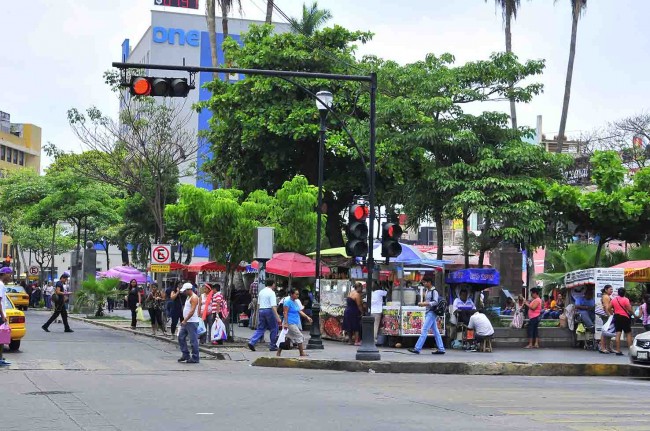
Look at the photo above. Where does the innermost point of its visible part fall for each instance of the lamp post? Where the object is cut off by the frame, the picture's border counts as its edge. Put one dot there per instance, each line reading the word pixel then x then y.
pixel 324 104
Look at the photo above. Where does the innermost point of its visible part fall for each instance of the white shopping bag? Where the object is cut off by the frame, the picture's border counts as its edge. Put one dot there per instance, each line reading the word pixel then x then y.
pixel 219 331
pixel 282 336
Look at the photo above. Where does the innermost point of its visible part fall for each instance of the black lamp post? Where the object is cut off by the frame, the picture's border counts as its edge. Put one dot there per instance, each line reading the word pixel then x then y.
pixel 324 104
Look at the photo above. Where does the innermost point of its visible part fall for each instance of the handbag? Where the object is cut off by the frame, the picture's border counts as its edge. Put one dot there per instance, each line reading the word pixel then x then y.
pixel 282 337
pixel 139 314
pixel 5 334
pixel 219 330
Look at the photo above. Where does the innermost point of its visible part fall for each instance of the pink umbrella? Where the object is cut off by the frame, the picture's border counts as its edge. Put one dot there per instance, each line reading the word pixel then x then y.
pixel 293 265
pixel 125 274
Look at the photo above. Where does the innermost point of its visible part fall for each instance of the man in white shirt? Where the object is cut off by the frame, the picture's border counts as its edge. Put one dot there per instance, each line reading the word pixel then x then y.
pixel 5 276
pixel 481 325
pixel 463 306
pixel 268 317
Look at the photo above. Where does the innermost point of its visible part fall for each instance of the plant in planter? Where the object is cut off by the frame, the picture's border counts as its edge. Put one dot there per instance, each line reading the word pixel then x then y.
pixel 93 294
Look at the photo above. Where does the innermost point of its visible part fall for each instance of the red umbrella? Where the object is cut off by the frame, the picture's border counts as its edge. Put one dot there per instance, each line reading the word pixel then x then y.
pixel 292 265
pixel 206 266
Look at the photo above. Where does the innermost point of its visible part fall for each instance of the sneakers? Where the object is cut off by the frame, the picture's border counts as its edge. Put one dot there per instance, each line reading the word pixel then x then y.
pixel 250 346
pixel 4 363
pixel 183 359
pixel 191 361
pixel 438 352
pixel 44 328
pixel 68 330
pixel 417 352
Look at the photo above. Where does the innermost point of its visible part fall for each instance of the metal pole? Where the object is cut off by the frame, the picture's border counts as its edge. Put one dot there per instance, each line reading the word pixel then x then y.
pixel 368 351
pixel 315 341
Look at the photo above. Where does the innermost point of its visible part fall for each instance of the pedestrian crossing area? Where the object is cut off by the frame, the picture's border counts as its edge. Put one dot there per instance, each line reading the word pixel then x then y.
pixel 566 408
pixel 122 365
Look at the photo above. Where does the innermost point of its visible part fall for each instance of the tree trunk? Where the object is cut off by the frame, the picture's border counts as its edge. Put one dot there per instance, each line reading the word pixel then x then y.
pixel 481 258
pixel 188 259
pixel 108 259
pixel 440 237
pixel 52 251
pixel 125 255
pixel 513 110
pixel 224 26
pixel 465 239
pixel 269 11
pixel 567 85
pixel 210 17
pixel 601 242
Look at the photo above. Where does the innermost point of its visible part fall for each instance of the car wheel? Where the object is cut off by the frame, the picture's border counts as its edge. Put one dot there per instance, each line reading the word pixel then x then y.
pixel 14 345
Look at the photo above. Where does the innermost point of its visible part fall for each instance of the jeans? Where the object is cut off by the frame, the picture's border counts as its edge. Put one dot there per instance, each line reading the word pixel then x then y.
pixel 111 304
pixel 430 322
pixel 189 329
pixel 266 322
pixel 533 328
pixel 48 302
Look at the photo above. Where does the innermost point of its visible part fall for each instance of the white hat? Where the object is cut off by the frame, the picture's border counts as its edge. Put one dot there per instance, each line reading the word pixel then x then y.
pixel 186 286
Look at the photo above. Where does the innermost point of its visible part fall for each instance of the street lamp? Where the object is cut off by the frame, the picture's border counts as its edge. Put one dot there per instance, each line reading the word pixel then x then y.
pixel 324 104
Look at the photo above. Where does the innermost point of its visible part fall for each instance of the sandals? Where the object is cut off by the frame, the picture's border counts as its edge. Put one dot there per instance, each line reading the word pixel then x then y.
pixel 619 353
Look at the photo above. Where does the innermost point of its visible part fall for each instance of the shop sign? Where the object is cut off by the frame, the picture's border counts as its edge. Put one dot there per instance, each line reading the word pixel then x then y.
pixel 173 36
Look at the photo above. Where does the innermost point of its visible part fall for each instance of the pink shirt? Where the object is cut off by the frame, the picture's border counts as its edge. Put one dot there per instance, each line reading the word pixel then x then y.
pixel 621 306
pixel 537 311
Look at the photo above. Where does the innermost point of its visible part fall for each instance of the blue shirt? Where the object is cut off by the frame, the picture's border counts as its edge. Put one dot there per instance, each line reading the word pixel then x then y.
pixel 582 301
pixel 293 317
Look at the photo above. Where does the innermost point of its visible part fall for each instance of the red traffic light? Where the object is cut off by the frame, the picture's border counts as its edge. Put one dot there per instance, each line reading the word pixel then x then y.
pixel 394 231
pixel 140 87
pixel 359 213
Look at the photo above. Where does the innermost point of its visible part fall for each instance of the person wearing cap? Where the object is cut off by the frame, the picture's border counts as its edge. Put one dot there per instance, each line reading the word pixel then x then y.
pixel 5 277
pixel 59 304
pixel 189 325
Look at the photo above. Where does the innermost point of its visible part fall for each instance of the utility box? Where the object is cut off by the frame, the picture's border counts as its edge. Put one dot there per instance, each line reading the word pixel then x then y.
pixel 263 243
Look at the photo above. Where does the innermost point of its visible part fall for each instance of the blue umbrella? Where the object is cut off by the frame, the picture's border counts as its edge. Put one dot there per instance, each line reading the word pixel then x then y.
pixel 410 256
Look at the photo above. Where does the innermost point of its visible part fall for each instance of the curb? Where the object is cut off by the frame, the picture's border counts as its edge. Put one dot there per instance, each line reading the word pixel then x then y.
pixel 217 355
pixel 466 368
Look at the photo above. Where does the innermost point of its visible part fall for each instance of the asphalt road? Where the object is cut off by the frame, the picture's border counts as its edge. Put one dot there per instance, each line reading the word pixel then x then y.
pixel 99 379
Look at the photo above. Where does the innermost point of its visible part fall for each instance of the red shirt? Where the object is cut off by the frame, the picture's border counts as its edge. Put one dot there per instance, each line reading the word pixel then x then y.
pixel 621 305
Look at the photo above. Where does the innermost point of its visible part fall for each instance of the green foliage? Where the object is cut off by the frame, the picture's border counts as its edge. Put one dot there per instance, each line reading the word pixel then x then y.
pixel 312 18
pixel 93 293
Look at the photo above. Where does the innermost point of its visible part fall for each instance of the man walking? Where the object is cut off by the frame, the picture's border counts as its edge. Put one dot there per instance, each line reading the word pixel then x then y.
pixel 268 317
pixel 189 326
pixel 292 313
pixel 59 299
pixel 431 299
pixel 5 277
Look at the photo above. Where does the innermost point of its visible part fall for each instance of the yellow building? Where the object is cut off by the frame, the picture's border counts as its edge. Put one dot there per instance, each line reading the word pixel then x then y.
pixel 20 147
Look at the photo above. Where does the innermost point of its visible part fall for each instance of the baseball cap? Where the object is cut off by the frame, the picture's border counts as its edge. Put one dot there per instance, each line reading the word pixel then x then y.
pixel 65 274
pixel 186 286
pixel 6 270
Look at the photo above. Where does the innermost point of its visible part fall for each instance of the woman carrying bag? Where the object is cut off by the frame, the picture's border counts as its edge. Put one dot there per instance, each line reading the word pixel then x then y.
pixel 622 319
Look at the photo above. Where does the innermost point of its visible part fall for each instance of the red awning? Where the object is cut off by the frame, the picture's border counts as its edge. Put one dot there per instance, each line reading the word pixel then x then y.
pixel 292 265
pixel 206 266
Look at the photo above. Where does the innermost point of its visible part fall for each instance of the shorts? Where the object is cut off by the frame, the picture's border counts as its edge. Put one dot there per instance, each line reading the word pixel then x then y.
pixel 622 323
pixel 295 335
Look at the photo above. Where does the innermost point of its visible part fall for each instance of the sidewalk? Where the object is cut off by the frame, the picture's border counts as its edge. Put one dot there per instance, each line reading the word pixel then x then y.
pixel 340 356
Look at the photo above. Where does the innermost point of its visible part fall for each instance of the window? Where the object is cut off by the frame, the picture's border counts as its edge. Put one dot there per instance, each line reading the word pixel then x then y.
pixel 9 154
pixel 5 250
pixel 15 157
pixel 21 158
pixel 3 152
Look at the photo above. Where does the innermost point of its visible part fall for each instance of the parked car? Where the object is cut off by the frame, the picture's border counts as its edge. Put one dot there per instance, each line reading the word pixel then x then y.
pixel 18 295
pixel 16 323
pixel 640 348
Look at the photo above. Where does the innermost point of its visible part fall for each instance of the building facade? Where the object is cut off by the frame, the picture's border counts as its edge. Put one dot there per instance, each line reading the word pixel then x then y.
pixel 20 147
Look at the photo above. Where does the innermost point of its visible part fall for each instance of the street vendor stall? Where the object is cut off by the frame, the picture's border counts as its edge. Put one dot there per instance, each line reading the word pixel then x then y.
pixel 636 270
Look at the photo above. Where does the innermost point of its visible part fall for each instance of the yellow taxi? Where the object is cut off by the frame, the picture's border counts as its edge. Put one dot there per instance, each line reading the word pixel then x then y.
pixel 16 320
pixel 18 296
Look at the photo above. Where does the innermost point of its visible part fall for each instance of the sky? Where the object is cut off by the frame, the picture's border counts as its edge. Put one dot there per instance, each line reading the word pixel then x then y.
pixel 54 52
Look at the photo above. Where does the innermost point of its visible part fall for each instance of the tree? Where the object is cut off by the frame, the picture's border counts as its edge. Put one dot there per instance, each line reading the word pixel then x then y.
pixel 577 9
pixel 420 118
pixel 38 241
pixel 95 292
pixel 143 152
pixel 509 10
pixel 629 136
pixel 615 210
pixel 311 20
pixel 210 16
pixel 264 130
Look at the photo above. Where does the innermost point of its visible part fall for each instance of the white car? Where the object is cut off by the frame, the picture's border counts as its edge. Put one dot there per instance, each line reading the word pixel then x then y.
pixel 640 349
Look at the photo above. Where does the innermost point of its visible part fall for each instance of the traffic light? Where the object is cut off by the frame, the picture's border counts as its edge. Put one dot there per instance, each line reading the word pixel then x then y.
pixel 357 245
pixel 390 234
pixel 161 87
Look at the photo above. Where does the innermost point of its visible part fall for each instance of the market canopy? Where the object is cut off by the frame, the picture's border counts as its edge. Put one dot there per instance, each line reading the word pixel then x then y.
pixel 294 265
pixel 210 266
pixel 125 274
pixel 410 256
pixel 484 276
pixel 636 270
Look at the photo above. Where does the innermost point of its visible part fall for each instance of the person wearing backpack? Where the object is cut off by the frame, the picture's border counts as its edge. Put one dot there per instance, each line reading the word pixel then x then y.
pixel 435 307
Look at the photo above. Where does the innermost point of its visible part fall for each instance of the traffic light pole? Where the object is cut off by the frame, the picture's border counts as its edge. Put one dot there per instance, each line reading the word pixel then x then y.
pixel 367 351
